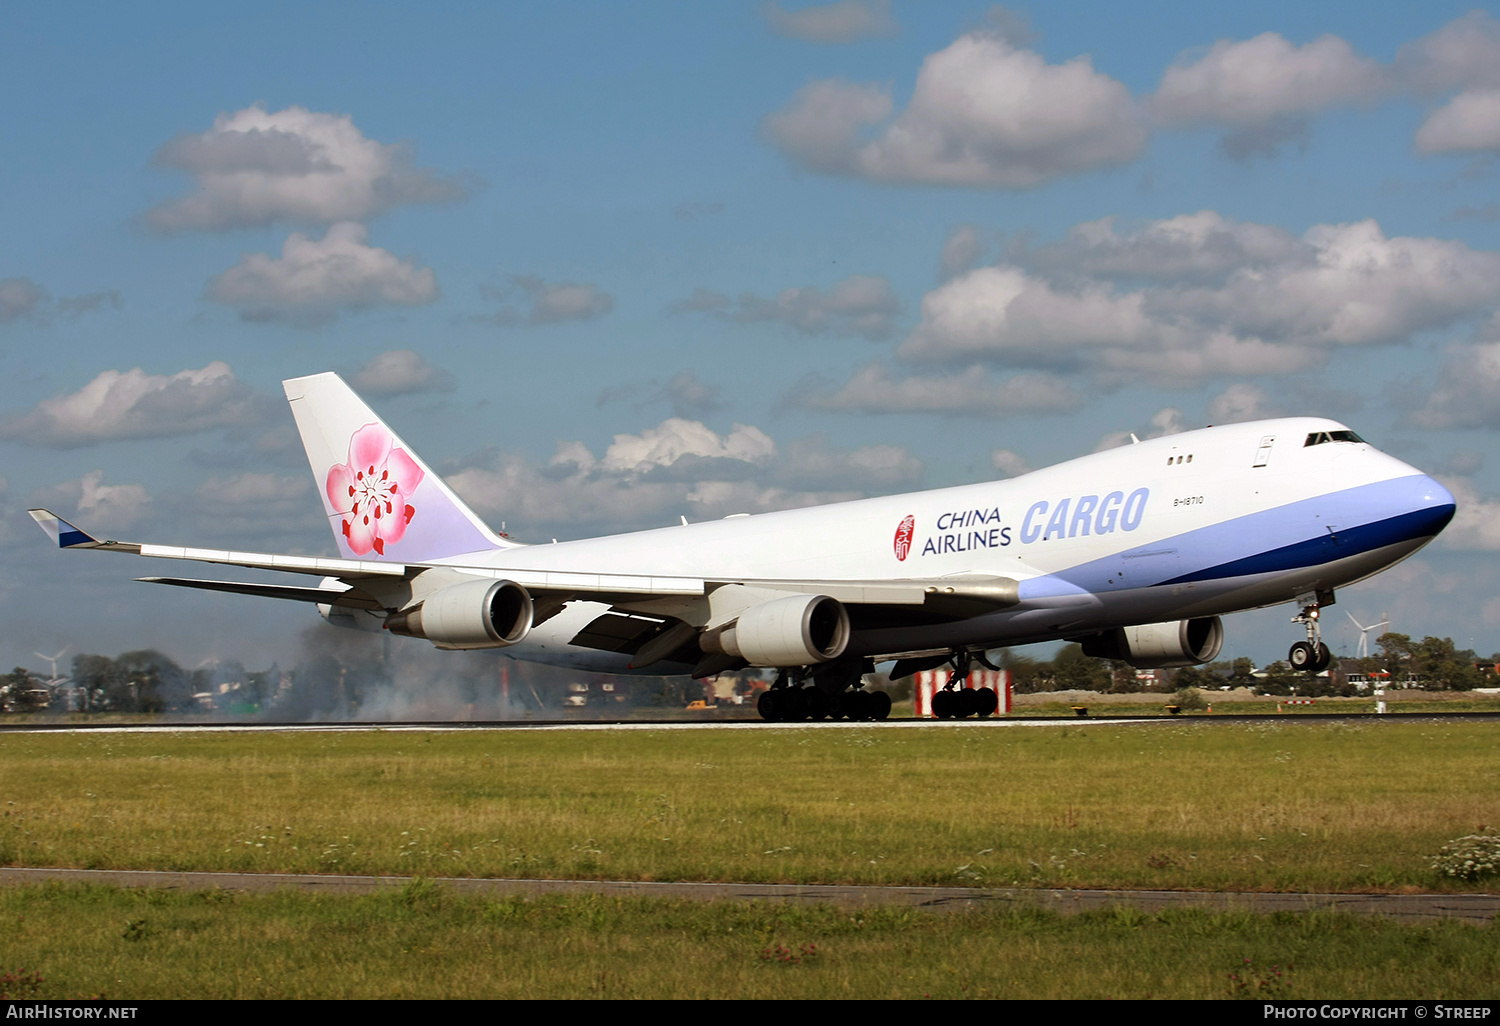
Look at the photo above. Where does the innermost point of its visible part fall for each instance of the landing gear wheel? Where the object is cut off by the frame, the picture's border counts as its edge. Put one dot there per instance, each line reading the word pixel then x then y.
pixel 1301 656
pixel 858 704
pixel 988 701
pixel 766 705
pixel 968 702
pixel 943 705
pixel 1324 657
pixel 818 704
pixel 880 705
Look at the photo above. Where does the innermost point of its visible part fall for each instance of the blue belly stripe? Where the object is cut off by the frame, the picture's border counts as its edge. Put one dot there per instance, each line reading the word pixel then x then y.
pixel 1422 523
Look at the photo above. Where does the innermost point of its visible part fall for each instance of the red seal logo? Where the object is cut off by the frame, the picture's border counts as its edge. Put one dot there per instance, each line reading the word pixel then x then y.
pixel 903 537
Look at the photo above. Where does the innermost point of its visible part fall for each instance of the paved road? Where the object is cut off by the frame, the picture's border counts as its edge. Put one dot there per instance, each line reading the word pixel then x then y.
pixel 999 722
pixel 1474 908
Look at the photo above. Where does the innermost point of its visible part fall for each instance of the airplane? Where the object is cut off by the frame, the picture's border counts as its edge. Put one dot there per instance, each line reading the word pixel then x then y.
pixel 1135 552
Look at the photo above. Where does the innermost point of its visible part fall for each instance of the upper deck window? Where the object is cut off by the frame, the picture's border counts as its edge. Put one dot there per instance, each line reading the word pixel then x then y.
pixel 1319 437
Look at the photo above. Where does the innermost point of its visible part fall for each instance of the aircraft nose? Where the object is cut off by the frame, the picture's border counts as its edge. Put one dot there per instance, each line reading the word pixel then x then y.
pixel 1433 507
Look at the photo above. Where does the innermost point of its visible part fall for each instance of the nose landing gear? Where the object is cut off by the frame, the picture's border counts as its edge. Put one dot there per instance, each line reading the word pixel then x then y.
pixel 1311 655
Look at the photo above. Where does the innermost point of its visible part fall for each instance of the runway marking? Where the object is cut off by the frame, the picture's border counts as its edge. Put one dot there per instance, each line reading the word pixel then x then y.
pixel 1480 909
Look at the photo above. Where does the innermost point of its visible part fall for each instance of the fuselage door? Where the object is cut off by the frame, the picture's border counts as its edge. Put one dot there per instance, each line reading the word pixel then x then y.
pixel 1263 454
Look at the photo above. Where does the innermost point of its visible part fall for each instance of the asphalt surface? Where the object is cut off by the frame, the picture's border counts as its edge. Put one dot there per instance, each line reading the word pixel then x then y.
pixel 1474 908
pixel 997 722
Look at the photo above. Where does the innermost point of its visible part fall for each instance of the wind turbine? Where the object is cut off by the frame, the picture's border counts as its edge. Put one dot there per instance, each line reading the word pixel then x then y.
pixel 1364 632
pixel 55 682
pixel 55 679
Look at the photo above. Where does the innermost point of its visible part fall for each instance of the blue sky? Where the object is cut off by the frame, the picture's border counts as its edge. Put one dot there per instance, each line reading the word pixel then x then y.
pixel 610 264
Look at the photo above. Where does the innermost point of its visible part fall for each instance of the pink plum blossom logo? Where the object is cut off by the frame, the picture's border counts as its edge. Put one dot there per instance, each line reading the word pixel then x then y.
pixel 372 490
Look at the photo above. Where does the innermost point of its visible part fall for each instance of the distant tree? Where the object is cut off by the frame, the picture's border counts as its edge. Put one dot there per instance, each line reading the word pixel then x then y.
pixel 1281 679
pixel 1027 675
pixel 1441 666
pixel 1195 678
pixel 1072 670
pixel 1395 656
pixel 155 683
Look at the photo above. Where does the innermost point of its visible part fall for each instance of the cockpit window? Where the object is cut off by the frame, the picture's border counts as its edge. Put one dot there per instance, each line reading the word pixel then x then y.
pixel 1319 437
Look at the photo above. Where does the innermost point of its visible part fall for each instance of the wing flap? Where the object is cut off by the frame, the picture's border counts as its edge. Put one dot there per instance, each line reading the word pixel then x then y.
pixel 351 598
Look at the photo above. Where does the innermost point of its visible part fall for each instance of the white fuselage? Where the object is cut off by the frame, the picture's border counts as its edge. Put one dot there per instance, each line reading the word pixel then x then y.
pixel 1195 524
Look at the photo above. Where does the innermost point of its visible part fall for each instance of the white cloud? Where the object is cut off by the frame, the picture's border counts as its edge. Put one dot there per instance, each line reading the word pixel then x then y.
pixel 1223 298
pixel 843 22
pixel 971 392
pixel 19 297
pixel 95 503
pixel 1258 81
pixel 548 302
pixel 89 303
pixel 1467 123
pixel 253 503
pixel 678 468
pixel 1188 247
pixel 1476 523
pixel 253 167
pixel 1009 463
pixel 134 404
pixel 1465 53
pixel 315 279
pixel 961 251
pixel 995 309
pixel 401 372
pixel 984 113
pixel 814 463
pixel 676 439
pixel 1466 393
pixel 1166 421
pixel 690 397
pixel 860 304
pixel 1240 402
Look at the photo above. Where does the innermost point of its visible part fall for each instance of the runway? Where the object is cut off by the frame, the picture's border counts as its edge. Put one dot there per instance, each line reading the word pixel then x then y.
pixel 1479 909
pixel 992 723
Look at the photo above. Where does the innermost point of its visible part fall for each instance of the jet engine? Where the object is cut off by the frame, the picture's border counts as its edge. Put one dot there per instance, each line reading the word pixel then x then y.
pixel 792 631
pixel 475 614
pixel 1156 645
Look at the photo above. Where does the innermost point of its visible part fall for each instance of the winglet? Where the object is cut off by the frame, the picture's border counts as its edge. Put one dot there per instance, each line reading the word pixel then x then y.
pixel 69 537
pixel 59 530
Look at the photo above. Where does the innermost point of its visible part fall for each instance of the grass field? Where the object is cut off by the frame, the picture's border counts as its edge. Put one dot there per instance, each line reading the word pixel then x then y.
pixel 1280 805
pixel 423 942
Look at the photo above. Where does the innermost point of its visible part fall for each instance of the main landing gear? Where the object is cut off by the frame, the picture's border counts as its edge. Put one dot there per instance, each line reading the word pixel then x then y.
pixel 835 693
pixel 1311 655
pixel 956 702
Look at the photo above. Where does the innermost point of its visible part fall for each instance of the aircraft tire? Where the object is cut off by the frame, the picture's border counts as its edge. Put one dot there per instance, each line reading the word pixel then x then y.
pixel 942 705
pixel 1324 658
pixel 1301 656
pixel 858 704
pixel 766 706
pixel 988 701
pixel 880 705
pixel 818 705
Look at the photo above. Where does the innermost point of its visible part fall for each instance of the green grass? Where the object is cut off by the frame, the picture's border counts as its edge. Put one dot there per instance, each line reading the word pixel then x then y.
pixel 422 942
pixel 1275 805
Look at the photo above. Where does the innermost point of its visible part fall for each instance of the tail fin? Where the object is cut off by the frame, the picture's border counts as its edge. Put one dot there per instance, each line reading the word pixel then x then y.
pixel 382 501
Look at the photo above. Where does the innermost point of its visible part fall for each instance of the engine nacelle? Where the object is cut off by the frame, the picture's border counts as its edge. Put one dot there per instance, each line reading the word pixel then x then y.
pixel 1151 646
pixel 792 631
pixel 475 614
